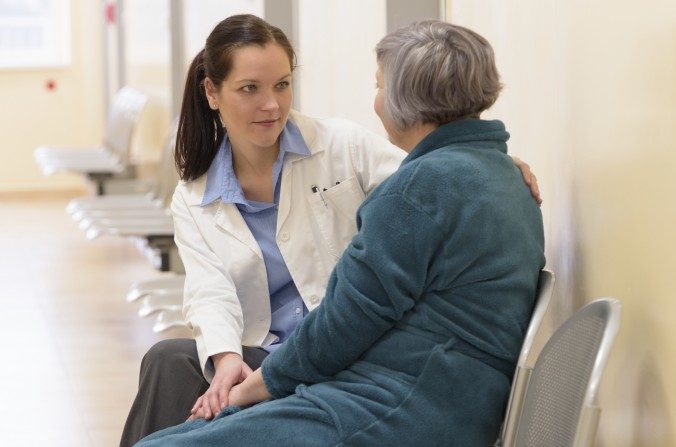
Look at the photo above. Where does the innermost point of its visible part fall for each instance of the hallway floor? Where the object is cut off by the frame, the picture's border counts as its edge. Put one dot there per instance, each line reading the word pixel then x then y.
pixel 71 344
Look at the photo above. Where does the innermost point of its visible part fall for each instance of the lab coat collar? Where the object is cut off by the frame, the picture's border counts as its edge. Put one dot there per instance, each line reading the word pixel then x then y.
pixel 306 129
pixel 230 219
pixel 308 133
pixel 221 180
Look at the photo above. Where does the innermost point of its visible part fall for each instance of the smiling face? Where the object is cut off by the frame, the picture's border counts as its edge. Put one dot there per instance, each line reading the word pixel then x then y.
pixel 255 98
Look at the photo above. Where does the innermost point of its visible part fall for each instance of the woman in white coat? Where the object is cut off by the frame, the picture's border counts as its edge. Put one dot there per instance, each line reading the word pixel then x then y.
pixel 265 207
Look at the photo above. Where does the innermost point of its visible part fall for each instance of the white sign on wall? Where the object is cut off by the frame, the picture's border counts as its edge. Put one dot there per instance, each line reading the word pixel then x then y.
pixel 34 33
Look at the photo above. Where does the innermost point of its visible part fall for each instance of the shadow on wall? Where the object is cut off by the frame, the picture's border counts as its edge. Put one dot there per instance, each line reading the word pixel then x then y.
pixel 651 422
pixel 603 238
pixel 635 411
pixel 626 250
pixel 564 255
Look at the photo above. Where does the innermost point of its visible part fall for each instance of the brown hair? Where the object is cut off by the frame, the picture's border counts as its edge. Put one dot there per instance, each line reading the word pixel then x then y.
pixel 200 131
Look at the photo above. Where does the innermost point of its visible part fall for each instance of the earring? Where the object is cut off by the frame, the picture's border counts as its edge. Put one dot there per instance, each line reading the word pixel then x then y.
pixel 213 106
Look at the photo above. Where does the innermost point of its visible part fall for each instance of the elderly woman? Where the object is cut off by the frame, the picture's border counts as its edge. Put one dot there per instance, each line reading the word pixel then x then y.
pixel 416 339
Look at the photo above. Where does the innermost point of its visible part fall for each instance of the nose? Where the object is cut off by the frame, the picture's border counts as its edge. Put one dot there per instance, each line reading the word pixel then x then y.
pixel 270 102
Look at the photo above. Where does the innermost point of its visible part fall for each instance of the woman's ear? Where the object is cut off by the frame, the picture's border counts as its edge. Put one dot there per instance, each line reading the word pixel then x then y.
pixel 211 92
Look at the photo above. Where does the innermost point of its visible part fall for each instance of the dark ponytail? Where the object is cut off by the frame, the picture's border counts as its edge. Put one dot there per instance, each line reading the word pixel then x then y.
pixel 199 127
pixel 200 130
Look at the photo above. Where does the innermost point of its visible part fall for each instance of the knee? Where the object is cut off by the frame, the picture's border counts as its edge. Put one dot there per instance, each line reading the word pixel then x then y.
pixel 169 353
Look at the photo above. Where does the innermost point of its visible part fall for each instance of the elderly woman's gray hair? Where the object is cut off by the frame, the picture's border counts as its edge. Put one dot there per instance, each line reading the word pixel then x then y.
pixel 435 72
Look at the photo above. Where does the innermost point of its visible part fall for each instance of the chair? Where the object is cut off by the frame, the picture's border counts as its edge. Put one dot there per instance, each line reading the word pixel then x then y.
pixel 109 161
pixel 167 319
pixel 524 364
pixel 163 285
pixel 132 205
pixel 161 300
pixel 144 218
pixel 560 405
pixel 131 216
pixel 164 297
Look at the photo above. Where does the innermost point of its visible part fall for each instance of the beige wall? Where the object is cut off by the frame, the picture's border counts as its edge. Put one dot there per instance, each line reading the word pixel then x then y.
pixel 148 69
pixel 71 115
pixel 336 64
pixel 590 100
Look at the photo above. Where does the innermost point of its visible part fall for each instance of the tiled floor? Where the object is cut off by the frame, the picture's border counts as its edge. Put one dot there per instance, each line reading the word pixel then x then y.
pixel 70 344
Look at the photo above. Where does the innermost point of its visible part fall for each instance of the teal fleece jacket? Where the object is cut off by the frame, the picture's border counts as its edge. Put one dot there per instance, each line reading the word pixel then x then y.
pixel 450 244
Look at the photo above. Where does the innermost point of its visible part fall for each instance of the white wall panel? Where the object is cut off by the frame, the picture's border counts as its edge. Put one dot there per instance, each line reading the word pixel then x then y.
pixel 147 67
pixel 202 15
pixel 336 58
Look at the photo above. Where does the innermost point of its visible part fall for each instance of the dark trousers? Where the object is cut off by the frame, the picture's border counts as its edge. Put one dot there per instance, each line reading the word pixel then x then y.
pixel 170 382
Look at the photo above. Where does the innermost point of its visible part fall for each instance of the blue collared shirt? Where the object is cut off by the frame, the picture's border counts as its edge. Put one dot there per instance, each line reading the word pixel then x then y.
pixel 286 305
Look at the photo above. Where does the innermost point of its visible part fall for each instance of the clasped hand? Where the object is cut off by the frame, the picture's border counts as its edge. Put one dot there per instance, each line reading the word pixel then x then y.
pixel 233 384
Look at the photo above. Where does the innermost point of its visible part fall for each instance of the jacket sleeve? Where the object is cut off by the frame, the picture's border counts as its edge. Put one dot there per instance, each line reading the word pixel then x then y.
pixel 379 277
pixel 210 304
pixel 373 157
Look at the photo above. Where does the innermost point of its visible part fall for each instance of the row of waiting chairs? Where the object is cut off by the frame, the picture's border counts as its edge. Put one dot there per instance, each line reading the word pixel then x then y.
pixel 553 399
pixel 142 217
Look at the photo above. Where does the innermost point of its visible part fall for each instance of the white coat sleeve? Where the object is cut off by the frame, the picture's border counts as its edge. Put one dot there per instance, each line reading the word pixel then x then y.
pixel 210 304
pixel 373 157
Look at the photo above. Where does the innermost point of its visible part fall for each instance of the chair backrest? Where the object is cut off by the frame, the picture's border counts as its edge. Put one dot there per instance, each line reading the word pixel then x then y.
pixel 560 407
pixel 123 115
pixel 523 367
pixel 167 173
pixel 542 300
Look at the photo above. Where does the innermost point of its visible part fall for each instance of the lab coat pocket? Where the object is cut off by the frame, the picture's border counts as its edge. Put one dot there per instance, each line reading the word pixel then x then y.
pixel 335 211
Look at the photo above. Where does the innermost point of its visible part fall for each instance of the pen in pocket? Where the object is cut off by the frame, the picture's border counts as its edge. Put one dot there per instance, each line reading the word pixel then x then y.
pixel 315 190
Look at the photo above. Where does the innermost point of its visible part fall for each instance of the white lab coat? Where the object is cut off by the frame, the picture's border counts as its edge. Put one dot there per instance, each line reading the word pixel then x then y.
pixel 226 300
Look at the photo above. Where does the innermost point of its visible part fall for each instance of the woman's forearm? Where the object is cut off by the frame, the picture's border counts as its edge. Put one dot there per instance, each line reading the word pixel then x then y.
pixel 251 391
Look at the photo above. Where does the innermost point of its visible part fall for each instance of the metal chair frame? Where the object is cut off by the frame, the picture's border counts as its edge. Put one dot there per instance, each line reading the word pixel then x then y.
pixel 560 404
pixel 523 366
